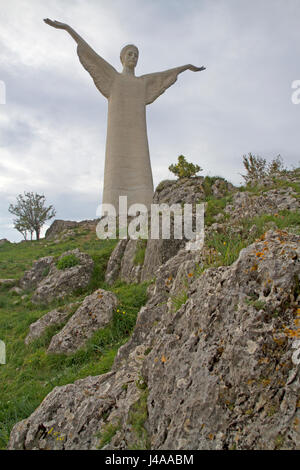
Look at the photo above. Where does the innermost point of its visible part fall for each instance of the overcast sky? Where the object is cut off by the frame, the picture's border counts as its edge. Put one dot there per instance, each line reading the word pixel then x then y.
pixel 53 125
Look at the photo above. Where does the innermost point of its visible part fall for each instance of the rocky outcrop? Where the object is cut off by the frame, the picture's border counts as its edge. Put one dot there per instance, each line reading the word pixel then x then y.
pixel 218 371
pixel 189 190
pixel 123 263
pixel 54 317
pixel 37 273
pixel 130 271
pixel 157 253
pixel 59 226
pixel 50 282
pixel 247 204
pixel 226 359
pixel 114 262
pixel 95 312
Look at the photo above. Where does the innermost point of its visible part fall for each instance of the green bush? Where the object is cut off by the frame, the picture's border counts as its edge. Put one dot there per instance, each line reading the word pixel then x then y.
pixel 67 261
pixel 183 169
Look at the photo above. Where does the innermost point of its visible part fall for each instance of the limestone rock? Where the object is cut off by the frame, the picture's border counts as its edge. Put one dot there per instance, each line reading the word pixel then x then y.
pixel 95 312
pixel 130 272
pixel 37 273
pixel 71 417
pixel 188 190
pixel 59 226
pixel 220 371
pixel 59 283
pixel 246 204
pixel 114 263
pixel 224 361
pixel 157 253
pixel 54 317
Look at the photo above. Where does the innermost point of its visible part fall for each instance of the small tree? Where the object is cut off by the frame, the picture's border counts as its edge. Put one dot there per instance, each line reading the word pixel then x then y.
pixel 31 213
pixel 258 169
pixel 22 228
pixel 183 169
pixel 276 167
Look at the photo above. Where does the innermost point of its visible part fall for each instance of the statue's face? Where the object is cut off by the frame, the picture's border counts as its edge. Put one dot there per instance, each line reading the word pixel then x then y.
pixel 131 57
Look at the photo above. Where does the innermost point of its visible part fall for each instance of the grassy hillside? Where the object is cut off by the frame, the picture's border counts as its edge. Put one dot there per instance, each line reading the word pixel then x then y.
pixel 29 373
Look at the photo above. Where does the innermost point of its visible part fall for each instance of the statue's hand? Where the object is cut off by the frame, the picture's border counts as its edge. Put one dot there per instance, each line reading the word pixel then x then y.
pixel 56 24
pixel 193 68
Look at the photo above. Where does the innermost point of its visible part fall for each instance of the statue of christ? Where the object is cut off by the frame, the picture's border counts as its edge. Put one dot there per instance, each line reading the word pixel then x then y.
pixel 127 169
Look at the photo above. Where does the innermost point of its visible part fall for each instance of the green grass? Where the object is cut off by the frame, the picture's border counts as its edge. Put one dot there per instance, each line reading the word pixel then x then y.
pixel 140 252
pixel 225 247
pixel 30 373
pixel 179 300
pixel 275 183
pixel 137 417
pixel 215 206
pixel 15 258
pixel 108 433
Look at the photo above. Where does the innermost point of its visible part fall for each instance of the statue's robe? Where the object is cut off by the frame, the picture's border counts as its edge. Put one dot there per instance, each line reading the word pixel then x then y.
pixel 127 161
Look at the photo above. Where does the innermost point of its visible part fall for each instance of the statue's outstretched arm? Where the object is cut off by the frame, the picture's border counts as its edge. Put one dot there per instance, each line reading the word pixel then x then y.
pixel 157 83
pixel 100 70
pixel 66 27
pixel 183 68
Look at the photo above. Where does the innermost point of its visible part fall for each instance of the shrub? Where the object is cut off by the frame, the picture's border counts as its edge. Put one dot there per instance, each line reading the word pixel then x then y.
pixel 183 169
pixel 258 168
pixel 67 261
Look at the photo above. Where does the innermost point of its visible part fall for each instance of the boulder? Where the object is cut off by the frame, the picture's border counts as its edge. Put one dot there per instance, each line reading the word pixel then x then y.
pixel 189 190
pixel 157 253
pixel 130 272
pixel 55 283
pixel 37 273
pixel 114 263
pixel 95 312
pixel 54 317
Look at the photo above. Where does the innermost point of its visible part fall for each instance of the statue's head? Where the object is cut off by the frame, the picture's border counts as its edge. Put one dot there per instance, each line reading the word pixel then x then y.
pixel 129 55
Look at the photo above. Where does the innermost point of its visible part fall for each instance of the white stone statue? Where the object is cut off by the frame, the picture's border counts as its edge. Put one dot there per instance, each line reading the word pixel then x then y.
pixel 127 161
